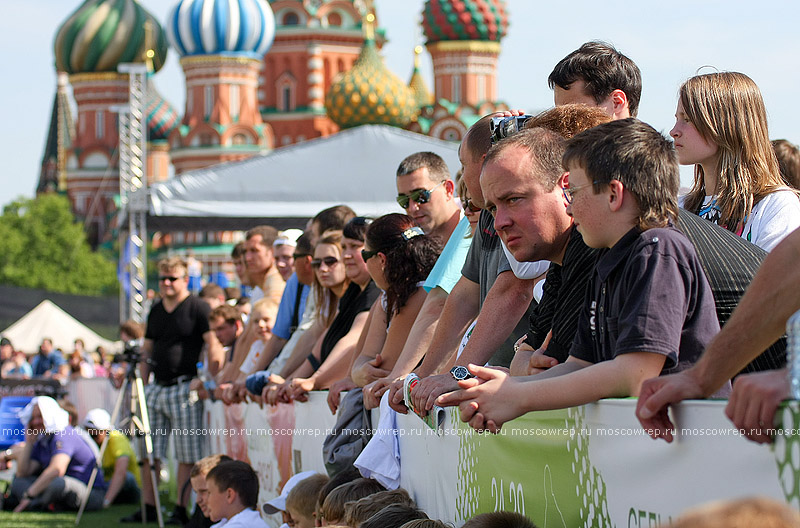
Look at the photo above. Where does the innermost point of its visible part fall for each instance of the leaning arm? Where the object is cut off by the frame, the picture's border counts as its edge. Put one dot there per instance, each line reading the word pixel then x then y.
pixel 505 304
pixel 117 479
pixel 461 307
pixel 421 333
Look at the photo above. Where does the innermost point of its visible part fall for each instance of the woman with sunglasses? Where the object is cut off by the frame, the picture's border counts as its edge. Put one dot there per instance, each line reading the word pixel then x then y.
pixel 399 257
pixel 347 312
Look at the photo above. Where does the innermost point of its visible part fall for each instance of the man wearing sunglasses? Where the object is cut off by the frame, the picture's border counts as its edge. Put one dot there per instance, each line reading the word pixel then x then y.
pixel 177 329
pixel 487 290
pixel 425 191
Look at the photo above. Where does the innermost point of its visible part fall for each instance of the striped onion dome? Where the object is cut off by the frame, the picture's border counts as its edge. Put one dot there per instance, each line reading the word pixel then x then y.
pixel 370 94
pixel 221 27
pixel 485 20
pixel 102 34
pixel 161 116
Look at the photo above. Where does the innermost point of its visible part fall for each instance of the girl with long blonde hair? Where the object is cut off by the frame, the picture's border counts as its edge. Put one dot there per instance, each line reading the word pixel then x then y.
pixel 721 129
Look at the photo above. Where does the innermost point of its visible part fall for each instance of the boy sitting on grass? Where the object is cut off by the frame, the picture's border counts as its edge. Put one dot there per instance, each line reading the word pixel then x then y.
pixel 649 308
pixel 233 496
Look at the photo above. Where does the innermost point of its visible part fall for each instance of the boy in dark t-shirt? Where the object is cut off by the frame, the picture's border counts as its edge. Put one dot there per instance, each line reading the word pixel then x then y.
pixel 648 308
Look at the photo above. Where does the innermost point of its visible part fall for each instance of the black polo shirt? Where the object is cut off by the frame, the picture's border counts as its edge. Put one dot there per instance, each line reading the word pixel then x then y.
pixel 729 261
pixel 648 293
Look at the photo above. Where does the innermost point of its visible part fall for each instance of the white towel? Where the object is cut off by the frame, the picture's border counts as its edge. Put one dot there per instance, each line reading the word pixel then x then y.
pixel 54 417
pixel 380 459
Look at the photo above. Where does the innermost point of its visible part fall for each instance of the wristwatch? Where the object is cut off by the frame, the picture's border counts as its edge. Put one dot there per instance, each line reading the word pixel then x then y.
pixel 460 373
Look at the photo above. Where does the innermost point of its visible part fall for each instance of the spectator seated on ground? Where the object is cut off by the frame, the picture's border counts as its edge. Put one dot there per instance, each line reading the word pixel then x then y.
pixel 54 467
pixel 120 467
pixel 359 511
pixel 392 516
pixel 278 504
pixel 301 502
pixel 334 505
pixel 499 519
pixel 621 191
pixel 197 478
pixel 233 496
pixel 740 513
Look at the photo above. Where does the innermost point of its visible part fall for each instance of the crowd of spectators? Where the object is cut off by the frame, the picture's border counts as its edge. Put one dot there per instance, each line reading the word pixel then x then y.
pixel 561 267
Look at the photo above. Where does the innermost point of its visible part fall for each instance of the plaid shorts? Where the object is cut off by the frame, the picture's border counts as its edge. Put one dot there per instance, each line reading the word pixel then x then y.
pixel 173 415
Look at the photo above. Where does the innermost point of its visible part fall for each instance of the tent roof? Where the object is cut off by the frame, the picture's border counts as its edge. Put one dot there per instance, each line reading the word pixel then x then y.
pixel 291 184
pixel 48 320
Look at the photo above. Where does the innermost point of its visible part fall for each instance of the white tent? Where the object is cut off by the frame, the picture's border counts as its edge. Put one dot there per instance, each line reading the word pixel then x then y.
pixel 290 184
pixel 48 320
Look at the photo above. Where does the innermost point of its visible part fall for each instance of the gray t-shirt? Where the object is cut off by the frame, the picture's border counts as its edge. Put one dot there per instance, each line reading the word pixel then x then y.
pixel 485 261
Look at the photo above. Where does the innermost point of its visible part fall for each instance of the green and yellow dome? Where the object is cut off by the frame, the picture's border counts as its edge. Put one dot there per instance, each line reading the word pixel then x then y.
pixel 102 34
pixel 370 94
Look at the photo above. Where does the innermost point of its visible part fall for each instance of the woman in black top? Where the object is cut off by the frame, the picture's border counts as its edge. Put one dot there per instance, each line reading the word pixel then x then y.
pixel 330 357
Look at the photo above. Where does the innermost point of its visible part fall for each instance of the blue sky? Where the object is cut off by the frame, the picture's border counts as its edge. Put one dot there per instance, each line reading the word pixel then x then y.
pixel 669 42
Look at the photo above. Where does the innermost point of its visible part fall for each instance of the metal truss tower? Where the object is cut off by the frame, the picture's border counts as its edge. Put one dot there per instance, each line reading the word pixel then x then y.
pixel 133 196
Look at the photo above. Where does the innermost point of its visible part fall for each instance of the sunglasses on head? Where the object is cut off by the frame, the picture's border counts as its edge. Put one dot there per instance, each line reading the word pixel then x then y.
pixel 328 261
pixel 420 196
pixel 169 279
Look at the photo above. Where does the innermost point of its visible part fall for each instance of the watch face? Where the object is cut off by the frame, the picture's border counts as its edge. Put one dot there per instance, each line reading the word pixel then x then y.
pixel 460 373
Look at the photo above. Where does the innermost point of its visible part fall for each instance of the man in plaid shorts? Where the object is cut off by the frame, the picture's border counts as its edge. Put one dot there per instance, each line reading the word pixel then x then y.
pixel 177 328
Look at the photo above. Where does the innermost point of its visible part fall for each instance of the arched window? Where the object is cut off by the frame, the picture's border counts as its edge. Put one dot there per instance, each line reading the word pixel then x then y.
pixel 334 19
pixel 291 19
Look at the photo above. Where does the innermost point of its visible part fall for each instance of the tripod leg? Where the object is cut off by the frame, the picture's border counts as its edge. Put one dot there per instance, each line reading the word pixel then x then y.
pixel 148 443
pixel 117 407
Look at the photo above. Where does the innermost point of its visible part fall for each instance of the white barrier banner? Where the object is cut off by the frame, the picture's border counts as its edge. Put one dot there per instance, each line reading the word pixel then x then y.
pixel 590 466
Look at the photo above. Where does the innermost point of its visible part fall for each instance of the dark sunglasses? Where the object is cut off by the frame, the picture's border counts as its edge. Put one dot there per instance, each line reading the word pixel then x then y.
pixel 368 254
pixel 169 279
pixel 328 261
pixel 300 255
pixel 420 196
pixel 469 206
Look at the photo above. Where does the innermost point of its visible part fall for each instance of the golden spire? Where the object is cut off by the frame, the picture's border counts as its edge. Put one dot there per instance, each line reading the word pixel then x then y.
pixel 149 53
pixel 369 28
pixel 417 52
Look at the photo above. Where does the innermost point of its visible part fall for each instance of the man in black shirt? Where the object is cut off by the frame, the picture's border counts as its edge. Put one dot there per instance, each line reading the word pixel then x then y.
pixel 177 328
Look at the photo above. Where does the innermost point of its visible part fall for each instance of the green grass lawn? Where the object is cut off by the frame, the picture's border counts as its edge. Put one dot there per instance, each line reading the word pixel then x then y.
pixel 98 519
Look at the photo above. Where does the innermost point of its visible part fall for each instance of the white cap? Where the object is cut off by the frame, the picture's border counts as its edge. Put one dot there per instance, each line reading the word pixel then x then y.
pixel 279 503
pixel 97 419
pixel 287 238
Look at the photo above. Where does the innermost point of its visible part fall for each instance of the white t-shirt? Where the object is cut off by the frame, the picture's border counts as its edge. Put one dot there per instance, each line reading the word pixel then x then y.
pixel 525 270
pixel 770 221
pixel 244 519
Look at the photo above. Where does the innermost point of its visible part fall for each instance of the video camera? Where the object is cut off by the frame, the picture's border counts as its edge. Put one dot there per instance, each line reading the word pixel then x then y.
pixel 132 353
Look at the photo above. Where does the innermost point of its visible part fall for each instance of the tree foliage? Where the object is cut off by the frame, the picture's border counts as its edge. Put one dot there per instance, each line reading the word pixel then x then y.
pixel 42 246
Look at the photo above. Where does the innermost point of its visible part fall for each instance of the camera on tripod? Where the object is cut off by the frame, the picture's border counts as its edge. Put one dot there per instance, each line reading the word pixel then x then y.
pixel 132 353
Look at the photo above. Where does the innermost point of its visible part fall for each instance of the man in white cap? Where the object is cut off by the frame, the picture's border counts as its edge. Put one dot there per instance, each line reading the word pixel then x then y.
pixel 283 251
pixel 120 467
pixel 278 504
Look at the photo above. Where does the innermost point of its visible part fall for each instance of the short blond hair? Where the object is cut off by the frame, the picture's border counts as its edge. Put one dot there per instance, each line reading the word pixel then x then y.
pixel 303 496
pixel 171 264
pixel 741 513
